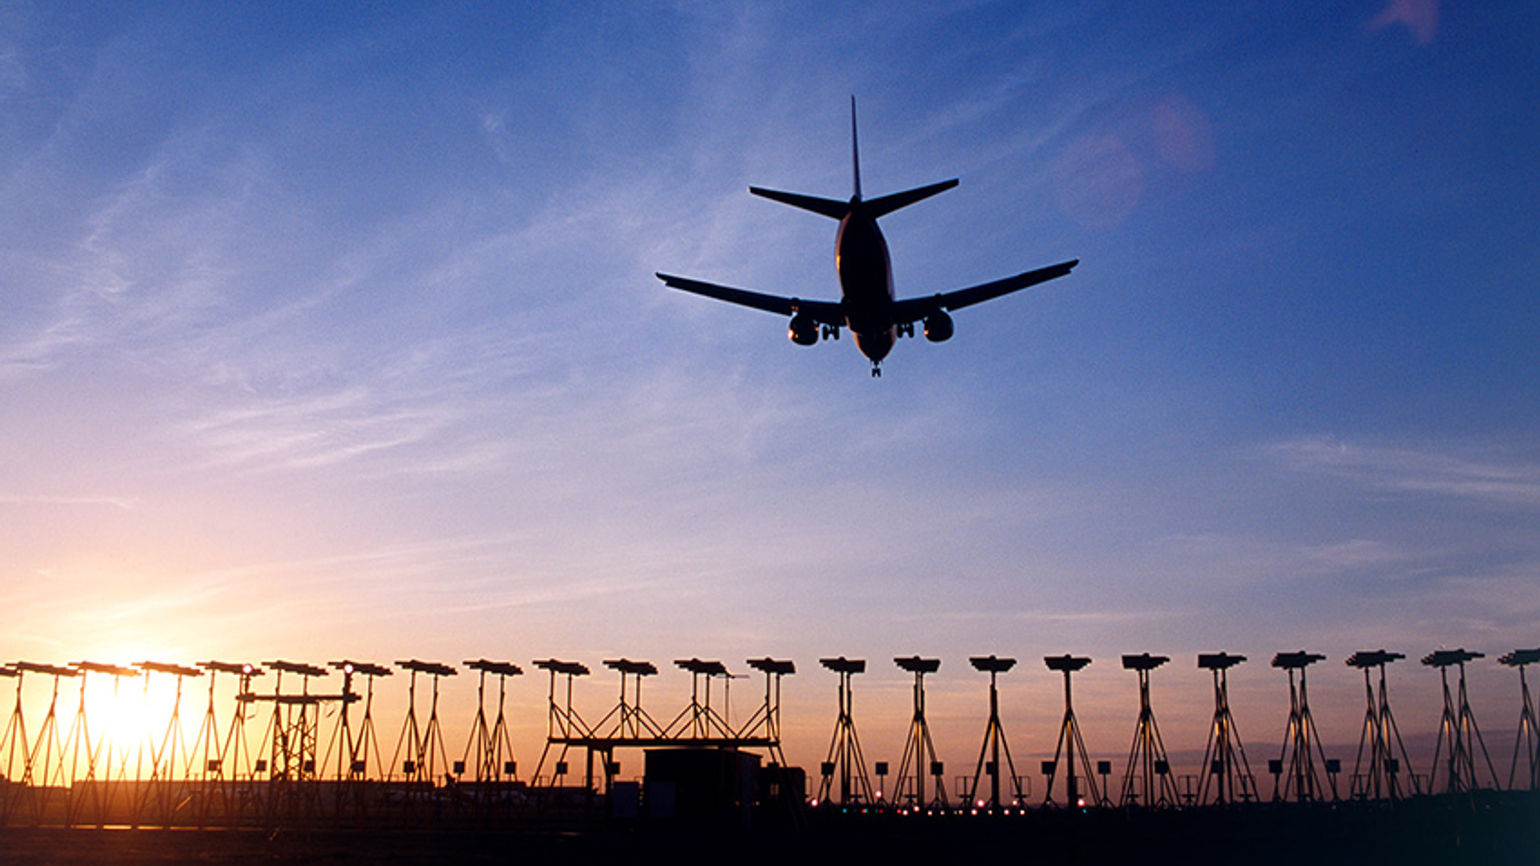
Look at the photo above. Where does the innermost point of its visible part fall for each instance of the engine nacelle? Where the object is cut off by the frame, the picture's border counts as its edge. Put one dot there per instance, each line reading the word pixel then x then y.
pixel 938 327
pixel 803 330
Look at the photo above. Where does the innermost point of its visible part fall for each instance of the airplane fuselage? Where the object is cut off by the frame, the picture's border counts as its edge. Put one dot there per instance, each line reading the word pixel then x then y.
pixel 866 282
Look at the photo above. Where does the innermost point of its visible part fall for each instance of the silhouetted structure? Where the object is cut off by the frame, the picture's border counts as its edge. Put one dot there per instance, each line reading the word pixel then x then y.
pixel 88 777
pixel 45 761
pixel 1071 744
pixel 427 755
pixel 699 721
pixel 95 801
pixel 489 751
pixel 919 751
pixel 207 751
pixel 1147 780
pixel 1226 775
pixel 1458 736
pixel 767 719
pixel 162 797
pixel 994 741
pixel 1296 762
pixel 844 759
pixel 13 743
pixel 349 754
pixel 1380 738
pixel 1527 742
pixel 78 751
pixel 239 761
pixel 293 738
pixel 563 724
pixel 628 719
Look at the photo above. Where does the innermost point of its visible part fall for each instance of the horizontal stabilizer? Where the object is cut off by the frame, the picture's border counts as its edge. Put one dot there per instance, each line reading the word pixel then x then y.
pixel 889 203
pixel 826 206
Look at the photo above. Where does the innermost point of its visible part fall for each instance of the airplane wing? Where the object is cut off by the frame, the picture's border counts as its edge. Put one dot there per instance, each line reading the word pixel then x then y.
pixel 914 309
pixel 825 312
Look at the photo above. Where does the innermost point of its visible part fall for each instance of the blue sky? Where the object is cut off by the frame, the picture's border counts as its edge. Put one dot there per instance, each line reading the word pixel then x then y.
pixel 331 330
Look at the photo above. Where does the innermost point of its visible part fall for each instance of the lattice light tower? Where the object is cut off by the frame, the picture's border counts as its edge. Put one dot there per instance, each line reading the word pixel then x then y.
pixel 1458 736
pixel 490 750
pixel 919 751
pixel 1301 744
pixel 238 755
pixel 224 763
pixel 1527 742
pixel 1226 774
pixel 169 758
pixel 13 746
pixel 296 724
pixel 994 741
pixel 78 752
pixel 1380 737
pixel 698 720
pixel 1147 780
pixel 348 753
pixel 101 758
pixel 563 724
pixel 627 720
pixel 45 760
pixel 1071 744
pixel 768 716
pixel 844 759
pixel 426 754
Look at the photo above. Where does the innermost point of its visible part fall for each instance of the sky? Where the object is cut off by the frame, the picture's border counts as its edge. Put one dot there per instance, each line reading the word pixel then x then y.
pixel 331 330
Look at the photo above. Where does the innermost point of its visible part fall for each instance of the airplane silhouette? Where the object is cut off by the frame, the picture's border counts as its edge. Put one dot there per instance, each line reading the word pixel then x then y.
pixel 867 306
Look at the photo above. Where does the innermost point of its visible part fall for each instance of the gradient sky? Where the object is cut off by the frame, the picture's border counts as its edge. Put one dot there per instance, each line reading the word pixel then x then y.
pixel 330 330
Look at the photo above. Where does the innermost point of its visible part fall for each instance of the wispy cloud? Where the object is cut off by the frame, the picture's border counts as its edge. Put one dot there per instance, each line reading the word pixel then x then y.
pixel 1247 559
pixel 1413 471
pixel 123 503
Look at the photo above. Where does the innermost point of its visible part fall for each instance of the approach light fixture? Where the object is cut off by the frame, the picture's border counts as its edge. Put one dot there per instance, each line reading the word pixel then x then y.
pixel 772 666
pixel 1372 658
pixel 368 669
pixel 991 664
pixel 1445 658
pixel 843 665
pixel 1066 663
pixel 917 665
pixel 502 669
pixel 1219 661
pixel 1143 662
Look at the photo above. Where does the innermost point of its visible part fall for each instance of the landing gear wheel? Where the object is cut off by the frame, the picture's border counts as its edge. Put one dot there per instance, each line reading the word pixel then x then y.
pixel 876 372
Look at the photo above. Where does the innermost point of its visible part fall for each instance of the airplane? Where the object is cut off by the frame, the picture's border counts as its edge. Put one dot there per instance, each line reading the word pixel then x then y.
pixel 867 305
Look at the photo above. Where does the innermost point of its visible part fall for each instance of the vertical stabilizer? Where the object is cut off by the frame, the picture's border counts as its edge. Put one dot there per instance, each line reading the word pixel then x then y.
pixel 855 150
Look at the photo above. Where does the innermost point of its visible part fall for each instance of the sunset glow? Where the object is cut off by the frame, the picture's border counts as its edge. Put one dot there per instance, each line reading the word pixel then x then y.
pixel 328 334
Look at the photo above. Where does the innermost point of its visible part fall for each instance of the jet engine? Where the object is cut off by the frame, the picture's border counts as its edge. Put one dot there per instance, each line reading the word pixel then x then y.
pixel 938 327
pixel 803 330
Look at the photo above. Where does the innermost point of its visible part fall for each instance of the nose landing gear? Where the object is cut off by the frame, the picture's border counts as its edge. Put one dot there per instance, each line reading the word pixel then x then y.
pixel 876 371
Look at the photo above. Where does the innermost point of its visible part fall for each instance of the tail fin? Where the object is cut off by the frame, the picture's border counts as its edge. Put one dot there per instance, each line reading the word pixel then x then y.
pixel 888 203
pixel 855 150
pixel 840 209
